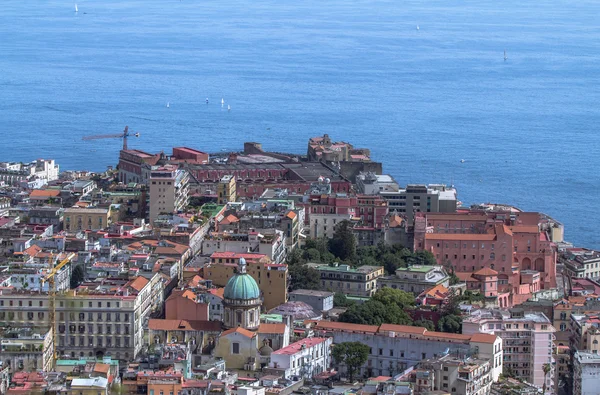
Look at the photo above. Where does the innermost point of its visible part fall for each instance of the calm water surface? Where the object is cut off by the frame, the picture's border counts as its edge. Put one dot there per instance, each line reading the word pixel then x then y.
pixel 358 70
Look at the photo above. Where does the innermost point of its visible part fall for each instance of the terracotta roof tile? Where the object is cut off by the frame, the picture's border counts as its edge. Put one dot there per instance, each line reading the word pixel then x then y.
pixel 460 236
pixel 483 338
pixel 241 331
pixel 272 328
pixel 486 271
pixel 44 193
pixel 139 283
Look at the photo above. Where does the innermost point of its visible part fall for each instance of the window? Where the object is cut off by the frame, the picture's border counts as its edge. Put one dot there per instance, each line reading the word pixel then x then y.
pixel 235 348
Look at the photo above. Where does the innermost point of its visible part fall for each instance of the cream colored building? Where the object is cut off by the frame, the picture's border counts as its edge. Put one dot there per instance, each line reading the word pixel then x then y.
pixel 226 190
pixel 168 190
pixel 76 219
pixel 105 320
pixel 361 281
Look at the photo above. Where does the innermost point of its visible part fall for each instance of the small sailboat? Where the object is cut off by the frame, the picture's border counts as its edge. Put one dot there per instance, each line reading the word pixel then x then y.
pixel 76 9
pixel 228 107
pixel 168 104
pixel 418 27
pixel 222 101
pixel 505 57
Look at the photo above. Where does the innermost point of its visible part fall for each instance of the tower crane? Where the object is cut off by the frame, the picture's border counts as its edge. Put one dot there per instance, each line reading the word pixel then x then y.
pixel 49 278
pixel 122 135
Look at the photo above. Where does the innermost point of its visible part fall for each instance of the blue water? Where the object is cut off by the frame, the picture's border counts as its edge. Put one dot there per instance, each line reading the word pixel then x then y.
pixel 356 69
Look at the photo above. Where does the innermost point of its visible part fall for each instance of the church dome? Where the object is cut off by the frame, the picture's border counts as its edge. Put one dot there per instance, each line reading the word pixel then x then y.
pixel 241 286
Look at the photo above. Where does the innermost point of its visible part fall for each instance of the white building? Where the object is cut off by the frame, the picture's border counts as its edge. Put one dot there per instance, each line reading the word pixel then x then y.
pixel 323 224
pixel 459 374
pixel 41 171
pixel 269 242
pixel 305 358
pixel 432 198
pixel 168 190
pixel 528 341
pixel 586 373
pixel 372 184
pixel 394 348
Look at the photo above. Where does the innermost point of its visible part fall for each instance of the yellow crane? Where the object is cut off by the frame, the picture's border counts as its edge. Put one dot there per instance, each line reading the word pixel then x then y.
pixel 49 278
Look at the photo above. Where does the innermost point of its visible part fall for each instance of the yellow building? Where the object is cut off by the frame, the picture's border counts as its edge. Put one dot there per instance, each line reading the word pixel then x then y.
pixel 238 347
pixel 226 191
pixel 86 218
pixel 271 278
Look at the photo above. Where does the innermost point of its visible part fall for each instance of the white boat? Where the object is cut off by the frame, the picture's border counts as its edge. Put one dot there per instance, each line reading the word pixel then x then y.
pixel 462 161
pixel 76 9
pixel 228 107
pixel 168 105
pixel 222 101
pixel 418 27
pixel 207 100
pixel 505 57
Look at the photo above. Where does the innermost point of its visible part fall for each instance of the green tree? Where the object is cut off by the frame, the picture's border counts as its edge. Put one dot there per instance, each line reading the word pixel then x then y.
pixel 374 312
pixel 427 324
pixel 77 276
pixel 312 255
pixel 421 258
pixel 295 258
pixel 343 243
pixel 391 262
pixel 340 300
pixel 450 324
pixel 304 277
pixel 546 368
pixel 389 296
pixel 351 354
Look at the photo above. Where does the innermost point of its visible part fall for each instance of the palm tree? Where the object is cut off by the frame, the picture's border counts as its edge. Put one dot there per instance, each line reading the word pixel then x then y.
pixel 546 368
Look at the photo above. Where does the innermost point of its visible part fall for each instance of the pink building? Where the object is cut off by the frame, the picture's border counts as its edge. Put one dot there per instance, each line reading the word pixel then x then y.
pixel 510 244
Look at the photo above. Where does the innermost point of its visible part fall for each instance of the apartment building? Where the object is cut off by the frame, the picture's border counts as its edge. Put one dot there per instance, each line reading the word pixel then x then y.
pixel 528 341
pixel 76 219
pixel 361 281
pixel 168 190
pixel 96 319
pixel 270 277
pixel 394 348
pixel 581 263
pixel 305 358
pixel 585 332
pixel 415 278
pixel 416 198
pixel 226 190
pixel 269 242
pixel 456 372
pixel 27 348
pixel 586 373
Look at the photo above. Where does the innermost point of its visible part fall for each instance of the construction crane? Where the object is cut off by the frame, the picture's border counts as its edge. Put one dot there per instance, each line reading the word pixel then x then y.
pixel 123 136
pixel 49 278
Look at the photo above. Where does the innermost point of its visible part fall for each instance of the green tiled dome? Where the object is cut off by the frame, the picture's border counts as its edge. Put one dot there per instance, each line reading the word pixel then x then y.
pixel 241 286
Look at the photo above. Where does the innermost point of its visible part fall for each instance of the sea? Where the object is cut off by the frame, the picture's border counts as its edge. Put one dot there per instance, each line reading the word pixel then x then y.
pixel 423 84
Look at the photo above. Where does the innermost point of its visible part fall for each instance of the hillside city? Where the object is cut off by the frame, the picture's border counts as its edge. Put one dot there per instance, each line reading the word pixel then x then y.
pixel 270 273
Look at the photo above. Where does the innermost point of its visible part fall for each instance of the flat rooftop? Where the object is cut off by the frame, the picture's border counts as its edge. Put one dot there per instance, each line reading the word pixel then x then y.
pixel 310 292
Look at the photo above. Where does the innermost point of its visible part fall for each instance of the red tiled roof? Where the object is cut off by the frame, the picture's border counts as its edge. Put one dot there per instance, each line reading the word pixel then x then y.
pixel 241 331
pixel 101 368
pixel 44 193
pixel 33 250
pixel 237 255
pixel 483 338
pixel 230 219
pixel 343 326
pixel 297 346
pixel 402 329
pixel 272 328
pixel 291 215
pixel 220 292
pixel 139 283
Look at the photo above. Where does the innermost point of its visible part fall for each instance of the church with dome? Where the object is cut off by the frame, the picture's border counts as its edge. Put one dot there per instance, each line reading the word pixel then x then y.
pixel 246 343
pixel 242 300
